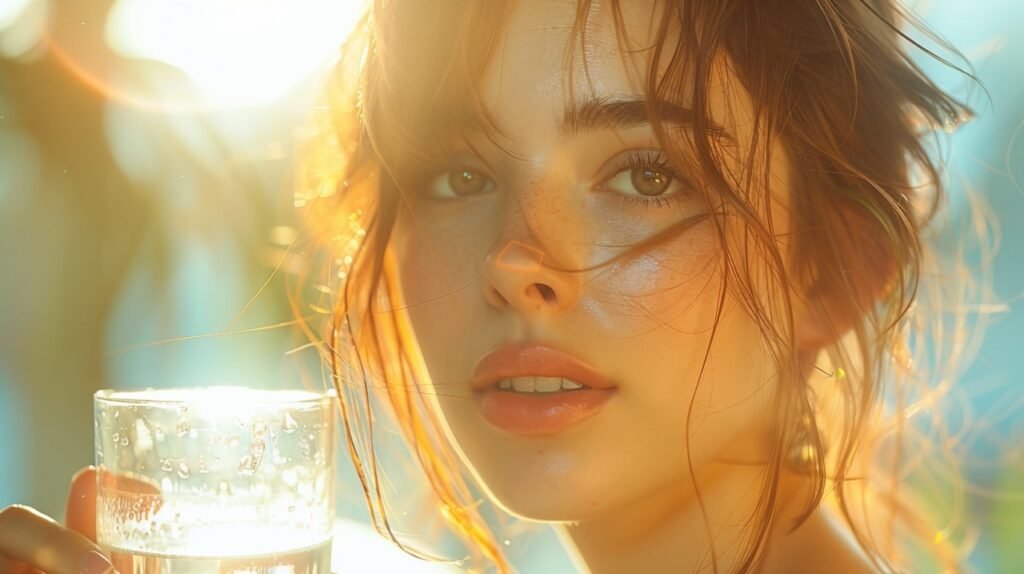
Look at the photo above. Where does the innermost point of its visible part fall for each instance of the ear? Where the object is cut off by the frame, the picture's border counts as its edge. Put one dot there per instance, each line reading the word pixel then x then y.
pixel 853 268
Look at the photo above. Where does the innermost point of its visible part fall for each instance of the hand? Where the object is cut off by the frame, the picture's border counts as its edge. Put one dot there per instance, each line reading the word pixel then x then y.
pixel 33 542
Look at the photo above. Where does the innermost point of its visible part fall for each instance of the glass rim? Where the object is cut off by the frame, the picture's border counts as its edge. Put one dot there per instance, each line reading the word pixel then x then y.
pixel 213 395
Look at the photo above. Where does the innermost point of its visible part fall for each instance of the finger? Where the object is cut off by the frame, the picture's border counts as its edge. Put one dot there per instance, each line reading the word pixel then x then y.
pixel 8 566
pixel 36 540
pixel 136 496
pixel 80 513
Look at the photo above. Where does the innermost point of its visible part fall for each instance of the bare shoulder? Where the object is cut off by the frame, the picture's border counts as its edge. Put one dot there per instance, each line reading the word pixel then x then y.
pixel 820 544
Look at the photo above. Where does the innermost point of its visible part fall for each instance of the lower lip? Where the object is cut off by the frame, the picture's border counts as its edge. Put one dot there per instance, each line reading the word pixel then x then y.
pixel 540 413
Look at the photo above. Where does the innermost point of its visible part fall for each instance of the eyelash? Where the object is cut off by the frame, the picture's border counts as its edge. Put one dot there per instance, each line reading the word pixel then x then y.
pixel 650 160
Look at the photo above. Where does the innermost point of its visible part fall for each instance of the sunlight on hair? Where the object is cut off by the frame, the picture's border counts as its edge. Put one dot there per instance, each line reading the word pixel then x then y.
pixel 234 53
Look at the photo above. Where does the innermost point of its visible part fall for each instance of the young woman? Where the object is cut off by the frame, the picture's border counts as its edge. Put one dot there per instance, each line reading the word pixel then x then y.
pixel 643 269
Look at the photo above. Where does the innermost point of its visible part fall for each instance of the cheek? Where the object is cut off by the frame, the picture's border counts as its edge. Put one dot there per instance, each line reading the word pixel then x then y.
pixel 437 261
pixel 672 285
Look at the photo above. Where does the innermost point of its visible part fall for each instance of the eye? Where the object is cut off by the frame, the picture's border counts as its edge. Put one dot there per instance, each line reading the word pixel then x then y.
pixel 460 182
pixel 644 175
pixel 650 181
pixel 466 181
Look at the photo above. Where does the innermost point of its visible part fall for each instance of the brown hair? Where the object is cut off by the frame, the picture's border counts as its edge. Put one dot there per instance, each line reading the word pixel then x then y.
pixel 829 79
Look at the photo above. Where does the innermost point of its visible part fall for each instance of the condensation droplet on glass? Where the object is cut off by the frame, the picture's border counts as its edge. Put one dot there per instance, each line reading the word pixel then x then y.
pixel 259 429
pixel 288 424
pixel 183 427
pixel 248 464
pixel 116 438
pixel 258 447
pixel 232 440
pixel 124 440
pixel 224 488
pixel 183 470
pixel 165 465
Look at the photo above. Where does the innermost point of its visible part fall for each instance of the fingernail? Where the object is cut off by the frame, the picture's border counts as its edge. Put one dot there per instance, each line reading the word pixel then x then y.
pixel 96 563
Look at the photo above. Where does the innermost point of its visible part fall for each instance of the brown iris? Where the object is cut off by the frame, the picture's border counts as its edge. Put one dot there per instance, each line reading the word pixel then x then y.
pixel 466 181
pixel 650 181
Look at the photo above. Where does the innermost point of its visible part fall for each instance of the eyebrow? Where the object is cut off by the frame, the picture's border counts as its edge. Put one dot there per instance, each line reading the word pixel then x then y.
pixel 597 114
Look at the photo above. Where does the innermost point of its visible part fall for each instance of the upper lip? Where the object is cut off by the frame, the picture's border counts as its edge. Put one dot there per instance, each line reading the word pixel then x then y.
pixel 537 360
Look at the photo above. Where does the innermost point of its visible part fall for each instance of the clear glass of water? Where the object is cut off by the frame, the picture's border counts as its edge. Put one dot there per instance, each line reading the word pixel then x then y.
pixel 215 480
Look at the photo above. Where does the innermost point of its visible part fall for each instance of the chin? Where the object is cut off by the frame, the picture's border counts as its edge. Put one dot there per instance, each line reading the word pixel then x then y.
pixel 555 503
pixel 541 482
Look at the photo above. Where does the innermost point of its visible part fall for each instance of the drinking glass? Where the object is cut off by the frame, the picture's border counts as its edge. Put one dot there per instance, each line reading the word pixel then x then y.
pixel 215 480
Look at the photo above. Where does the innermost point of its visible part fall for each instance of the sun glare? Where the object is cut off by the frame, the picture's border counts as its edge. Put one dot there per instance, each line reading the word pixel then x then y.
pixel 235 53
pixel 10 10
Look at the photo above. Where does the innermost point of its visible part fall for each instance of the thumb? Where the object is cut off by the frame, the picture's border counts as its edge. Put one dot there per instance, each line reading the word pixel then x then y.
pixel 80 512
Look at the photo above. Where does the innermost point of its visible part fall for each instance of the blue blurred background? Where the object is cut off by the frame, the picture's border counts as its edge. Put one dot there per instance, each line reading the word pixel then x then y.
pixel 146 165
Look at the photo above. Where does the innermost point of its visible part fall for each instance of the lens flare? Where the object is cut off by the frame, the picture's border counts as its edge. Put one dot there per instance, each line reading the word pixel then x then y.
pixel 234 53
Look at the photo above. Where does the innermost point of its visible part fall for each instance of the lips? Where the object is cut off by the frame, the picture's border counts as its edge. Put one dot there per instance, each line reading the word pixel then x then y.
pixel 538 413
pixel 533 360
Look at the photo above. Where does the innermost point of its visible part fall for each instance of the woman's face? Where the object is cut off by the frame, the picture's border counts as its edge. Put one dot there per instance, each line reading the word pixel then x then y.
pixel 486 252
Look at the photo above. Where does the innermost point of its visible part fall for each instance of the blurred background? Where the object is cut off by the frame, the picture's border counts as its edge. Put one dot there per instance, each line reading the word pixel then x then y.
pixel 146 165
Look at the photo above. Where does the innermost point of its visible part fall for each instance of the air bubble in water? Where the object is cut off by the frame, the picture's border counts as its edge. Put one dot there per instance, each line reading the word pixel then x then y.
pixel 165 465
pixel 124 440
pixel 183 427
pixel 183 471
pixel 224 488
pixel 232 440
pixel 116 437
pixel 259 429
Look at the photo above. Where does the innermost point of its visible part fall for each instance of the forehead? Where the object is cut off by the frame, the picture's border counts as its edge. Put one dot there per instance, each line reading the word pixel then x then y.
pixel 550 53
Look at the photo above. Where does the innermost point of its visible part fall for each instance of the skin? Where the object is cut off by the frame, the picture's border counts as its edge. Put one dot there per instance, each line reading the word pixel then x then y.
pixel 493 263
pixel 31 542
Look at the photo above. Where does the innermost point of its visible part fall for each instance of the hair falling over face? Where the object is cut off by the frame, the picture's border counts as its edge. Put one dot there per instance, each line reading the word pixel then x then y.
pixel 832 82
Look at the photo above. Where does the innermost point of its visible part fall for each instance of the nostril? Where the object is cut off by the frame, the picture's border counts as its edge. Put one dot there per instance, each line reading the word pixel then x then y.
pixel 546 292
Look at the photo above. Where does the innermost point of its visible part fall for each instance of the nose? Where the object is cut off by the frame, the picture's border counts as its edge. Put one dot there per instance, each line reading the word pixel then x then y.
pixel 518 277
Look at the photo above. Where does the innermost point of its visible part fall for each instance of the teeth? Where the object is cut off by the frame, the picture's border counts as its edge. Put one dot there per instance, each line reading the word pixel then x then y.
pixel 548 384
pixel 523 384
pixel 538 384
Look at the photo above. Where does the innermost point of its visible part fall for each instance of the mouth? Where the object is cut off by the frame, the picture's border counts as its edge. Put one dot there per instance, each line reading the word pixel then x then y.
pixel 530 389
pixel 539 385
